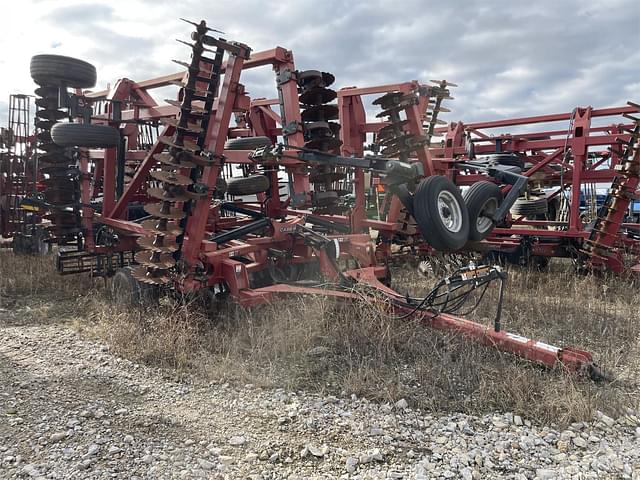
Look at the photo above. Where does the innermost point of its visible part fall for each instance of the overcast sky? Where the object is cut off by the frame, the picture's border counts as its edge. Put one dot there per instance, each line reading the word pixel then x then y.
pixel 509 57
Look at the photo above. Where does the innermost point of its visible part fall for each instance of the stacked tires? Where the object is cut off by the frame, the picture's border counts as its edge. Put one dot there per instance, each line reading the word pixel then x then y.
pixel 56 163
pixel 253 184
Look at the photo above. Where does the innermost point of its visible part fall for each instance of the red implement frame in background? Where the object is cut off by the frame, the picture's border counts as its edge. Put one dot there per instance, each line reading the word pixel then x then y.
pixel 570 152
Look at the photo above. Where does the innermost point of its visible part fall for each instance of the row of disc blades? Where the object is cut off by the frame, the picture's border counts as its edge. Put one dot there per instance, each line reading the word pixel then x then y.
pixel 393 139
pixel 159 249
pixel 602 240
pixel 437 93
pixel 321 134
pixel 61 177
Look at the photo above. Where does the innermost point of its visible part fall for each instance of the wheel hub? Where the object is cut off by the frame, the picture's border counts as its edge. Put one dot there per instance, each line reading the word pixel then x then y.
pixel 450 212
pixel 485 219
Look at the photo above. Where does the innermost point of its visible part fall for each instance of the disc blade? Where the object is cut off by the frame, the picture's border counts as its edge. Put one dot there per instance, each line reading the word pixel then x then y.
pixel 158 210
pixel 153 259
pixel 171 178
pixel 158 243
pixel 162 227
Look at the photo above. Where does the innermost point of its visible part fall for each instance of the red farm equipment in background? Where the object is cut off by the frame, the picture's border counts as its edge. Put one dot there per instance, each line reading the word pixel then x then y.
pixel 216 194
pixel 581 198
pixel 19 180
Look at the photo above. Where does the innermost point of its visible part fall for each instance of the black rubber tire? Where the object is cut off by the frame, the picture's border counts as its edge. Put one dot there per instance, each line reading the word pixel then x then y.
pixel 221 187
pixel 429 219
pixel 481 197
pixel 126 291
pixel 511 159
pixel 85 135
pixel 247 143
pixel 325 199
pixel 18 245
pixel 62 71
pixel 247 186
pixel 530 206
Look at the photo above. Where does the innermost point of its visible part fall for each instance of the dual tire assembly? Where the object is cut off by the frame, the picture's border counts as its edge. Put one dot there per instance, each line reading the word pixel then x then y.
pixel 447 219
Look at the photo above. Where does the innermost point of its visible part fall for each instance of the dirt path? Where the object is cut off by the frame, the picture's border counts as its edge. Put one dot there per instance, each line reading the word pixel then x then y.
pixel 70 409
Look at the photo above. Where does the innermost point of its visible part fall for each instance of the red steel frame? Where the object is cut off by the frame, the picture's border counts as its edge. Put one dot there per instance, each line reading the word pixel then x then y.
pixel 543 149
pixel 210 264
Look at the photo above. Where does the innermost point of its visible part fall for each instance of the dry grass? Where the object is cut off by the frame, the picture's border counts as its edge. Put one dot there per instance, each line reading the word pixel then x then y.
pixel 325 345
pixel 30 288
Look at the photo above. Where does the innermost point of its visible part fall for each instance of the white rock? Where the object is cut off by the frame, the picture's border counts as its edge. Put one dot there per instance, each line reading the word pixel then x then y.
pixel 121 411
pixel 315 451
pixel 579 442
pixel 205 464
pixel 30 470
pixel 375 455
pixel 499 424
pixel 237 440
pixel 608 421
pixel 545 474
pixel 225 459
pixel 128 439
pixel 93 449
pixel 402 404
pixel 56 437
pixel 567 435
pixel 351 464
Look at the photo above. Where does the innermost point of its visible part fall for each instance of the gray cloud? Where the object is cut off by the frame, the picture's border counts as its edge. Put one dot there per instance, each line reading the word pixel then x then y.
pixel 79 15
pixel 510 58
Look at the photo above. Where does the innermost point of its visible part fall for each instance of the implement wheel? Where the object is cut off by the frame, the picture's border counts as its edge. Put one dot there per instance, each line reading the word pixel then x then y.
pixel 247 186
pixel 482 200
pixel 62 71
pixel 85 135
pixel 529 207
pixel 441 214
pixel 126 291
pixel 247 143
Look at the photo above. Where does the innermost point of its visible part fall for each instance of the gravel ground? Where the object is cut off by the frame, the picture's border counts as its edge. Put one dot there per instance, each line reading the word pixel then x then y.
pixel 70 409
